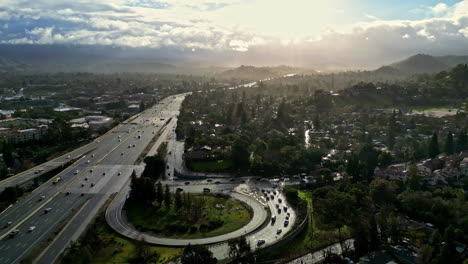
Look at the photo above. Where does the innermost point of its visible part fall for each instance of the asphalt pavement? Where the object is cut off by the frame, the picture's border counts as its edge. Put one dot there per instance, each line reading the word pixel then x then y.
pixel 84 187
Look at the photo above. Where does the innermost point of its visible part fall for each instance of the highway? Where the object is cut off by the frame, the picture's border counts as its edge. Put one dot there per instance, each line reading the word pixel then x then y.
pixel 84 187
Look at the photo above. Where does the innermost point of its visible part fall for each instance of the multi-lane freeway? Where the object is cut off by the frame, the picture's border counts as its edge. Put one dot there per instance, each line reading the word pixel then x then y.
pixel 55 214
pixel 83 187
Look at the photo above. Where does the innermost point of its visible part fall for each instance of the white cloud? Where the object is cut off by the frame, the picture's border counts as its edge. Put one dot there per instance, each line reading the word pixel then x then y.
pixel 301 27
pixel 440 8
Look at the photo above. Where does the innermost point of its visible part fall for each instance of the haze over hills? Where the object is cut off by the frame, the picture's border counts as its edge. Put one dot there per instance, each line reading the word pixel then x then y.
pixel 423 63
pixel 94 58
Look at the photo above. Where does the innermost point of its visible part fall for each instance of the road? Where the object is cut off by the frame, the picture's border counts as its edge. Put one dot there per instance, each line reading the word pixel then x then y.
pixel 319 255
pixel 83 189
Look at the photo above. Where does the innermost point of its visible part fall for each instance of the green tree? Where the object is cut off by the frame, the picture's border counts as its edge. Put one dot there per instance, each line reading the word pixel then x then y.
pixel 154 166
pixel 197 254
pixel 382 192
pixel 433 149
pixel 7 150
pixel 167 197
pixel 391 131
pixel 414 178
pixel 449 145
pixel 178 203
pixel 240 251
pixel 462 141
pixel 159 193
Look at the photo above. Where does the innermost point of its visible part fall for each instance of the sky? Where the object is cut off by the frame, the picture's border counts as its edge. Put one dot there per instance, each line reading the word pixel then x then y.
pixel 355 32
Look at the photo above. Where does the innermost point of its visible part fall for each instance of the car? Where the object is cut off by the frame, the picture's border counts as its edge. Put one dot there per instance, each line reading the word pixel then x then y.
pixel 7 225
pixel 285 208
pixel 217 182
pixel 31 228
pixel 274 193
pixel 47 210
pixel 88 161
pixel 134 145
pixel 121 154
pixel 82 194
pixel 82 185
pixel 67 193
pixel 272 197
pixel 286 223
pixel 279 231
pixel 103 173
pixel 68 157
pixel 42 198
pixel 92 155
pixel 86 178
pixel 232 179
pixel 179 189
pixel 92 184
pixel 279 211
pixel 13 233
pixel 273 219
pixel 129 146
pixel 206 190
pixel 243 181
pixel 91 171
pixel 277 206
pixel 119 173
pixel 261 242
pixel 288 214
pixel 120 140
pixel 209 180
pixel 279 200
pixel 268 199
pixel 170 152
pixel 167 166
pixel 187 183
pixel 287 217
pixel 263 190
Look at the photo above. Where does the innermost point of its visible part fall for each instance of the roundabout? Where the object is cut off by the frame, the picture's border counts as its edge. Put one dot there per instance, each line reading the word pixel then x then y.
pixel 116 219
pixel 192 216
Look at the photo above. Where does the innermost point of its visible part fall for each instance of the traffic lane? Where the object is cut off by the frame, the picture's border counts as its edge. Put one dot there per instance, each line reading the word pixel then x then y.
pixel 17 247
pixel 37 198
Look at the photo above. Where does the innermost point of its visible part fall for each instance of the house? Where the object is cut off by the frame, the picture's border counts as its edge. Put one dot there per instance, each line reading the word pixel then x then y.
pixel 395 172
pixel 464 167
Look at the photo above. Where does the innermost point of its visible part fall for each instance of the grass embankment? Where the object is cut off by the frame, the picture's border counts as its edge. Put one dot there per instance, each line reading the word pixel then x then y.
pixel 209 216
pixel 312 238
pixel 101 244
pixel 211 166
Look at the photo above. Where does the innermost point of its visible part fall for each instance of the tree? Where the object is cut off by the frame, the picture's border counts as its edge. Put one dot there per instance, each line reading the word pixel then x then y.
pixel 167 197
pixel 154 166
pixel 7 150
pixel 382 192
pixel 414 178
pixel 462 141
pixel 240 152
pixel 240 251
pixel 433 149
pixel 391 131
pixel 449 145
pixel 197 254
pixel 159 194
pixel 178 200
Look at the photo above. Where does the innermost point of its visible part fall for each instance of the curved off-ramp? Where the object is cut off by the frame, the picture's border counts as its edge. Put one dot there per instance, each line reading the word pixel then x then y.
pixel 117 221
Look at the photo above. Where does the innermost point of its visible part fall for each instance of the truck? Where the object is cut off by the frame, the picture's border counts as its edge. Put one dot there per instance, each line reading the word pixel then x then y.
pixel 56 180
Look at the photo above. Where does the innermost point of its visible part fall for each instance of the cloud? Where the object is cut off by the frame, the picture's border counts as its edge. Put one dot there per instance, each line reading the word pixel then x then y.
pixel 235 26
pixel 439 8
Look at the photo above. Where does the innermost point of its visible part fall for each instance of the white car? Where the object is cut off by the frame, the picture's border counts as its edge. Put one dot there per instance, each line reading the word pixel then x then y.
pixel 31 228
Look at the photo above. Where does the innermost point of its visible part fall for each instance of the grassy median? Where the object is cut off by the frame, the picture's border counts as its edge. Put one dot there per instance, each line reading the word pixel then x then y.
pixel 206 216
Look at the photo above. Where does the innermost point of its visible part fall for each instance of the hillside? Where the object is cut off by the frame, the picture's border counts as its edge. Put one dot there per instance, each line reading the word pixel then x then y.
pixel 420 63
